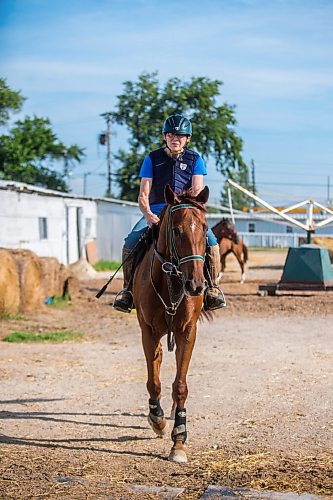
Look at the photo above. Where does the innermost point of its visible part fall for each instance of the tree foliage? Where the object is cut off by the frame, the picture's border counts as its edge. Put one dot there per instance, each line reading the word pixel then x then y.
pixel 30 149
pixel 10 101
pixel 144 105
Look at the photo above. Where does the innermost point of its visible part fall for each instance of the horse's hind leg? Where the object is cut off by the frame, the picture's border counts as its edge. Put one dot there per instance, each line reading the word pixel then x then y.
pixel 185 344
pixel 153 352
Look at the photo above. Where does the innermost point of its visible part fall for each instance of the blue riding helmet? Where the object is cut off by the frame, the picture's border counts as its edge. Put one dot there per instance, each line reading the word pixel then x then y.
pixel 177 124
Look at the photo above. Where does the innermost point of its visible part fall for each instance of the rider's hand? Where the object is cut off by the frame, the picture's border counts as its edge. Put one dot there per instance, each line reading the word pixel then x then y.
pixel 152 219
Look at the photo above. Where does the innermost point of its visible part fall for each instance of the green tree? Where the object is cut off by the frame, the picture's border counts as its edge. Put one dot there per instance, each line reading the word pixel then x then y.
pixel 239 199
pixel 144 105
pixel 10 101
pixel 29 150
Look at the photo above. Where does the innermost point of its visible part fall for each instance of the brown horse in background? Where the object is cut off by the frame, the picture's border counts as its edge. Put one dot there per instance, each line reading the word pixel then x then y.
pixel 229 242
pixel 168 295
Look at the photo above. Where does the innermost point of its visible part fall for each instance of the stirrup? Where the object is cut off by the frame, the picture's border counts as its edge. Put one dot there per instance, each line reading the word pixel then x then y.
pixel 212 303
pixel 125 302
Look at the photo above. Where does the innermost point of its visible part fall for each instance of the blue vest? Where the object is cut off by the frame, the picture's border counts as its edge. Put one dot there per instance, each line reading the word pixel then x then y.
pixel 176 172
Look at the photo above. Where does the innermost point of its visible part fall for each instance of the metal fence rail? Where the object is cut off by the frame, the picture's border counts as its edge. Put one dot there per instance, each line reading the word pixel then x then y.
pixel 275 240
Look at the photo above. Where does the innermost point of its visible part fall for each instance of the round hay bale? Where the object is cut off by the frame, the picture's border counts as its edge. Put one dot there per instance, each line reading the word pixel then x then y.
pixel 9 284
pixel 31 279
pixel 52 285
pixel 70 282
pixel 83 270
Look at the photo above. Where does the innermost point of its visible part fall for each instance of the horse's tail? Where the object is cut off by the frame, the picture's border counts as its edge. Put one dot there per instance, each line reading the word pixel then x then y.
pixel 245 253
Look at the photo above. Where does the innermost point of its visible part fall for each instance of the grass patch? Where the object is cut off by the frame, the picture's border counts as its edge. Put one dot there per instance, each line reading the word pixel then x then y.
pixel 11 317
pixel 60 336
pixel 268 249
pixel 58 301
pixel 106 265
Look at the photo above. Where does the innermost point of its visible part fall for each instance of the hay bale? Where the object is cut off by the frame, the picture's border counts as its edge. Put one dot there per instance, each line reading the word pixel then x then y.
pixel 70 282
pixel 58 279
pixel 31 279
pixel 83 270
pixel 325 243
pixel 52 283
pixel 9 284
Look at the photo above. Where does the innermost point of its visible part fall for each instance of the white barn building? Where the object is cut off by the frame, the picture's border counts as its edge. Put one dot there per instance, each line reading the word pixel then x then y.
pixel 55 224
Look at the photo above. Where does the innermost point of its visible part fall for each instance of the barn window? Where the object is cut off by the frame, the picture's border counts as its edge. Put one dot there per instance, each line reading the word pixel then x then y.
pixel 42 222
pixel 289 229
pixel 87 232
pixel 252 227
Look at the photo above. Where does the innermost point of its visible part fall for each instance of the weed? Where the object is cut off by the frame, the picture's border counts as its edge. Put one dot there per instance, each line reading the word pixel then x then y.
pixel 59 336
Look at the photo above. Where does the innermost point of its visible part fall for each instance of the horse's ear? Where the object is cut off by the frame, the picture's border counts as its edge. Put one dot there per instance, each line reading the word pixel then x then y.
pixel 169 196
pixel 203 196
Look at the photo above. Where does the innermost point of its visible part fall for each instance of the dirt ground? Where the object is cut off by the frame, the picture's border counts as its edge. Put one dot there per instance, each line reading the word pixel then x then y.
pixel 260 407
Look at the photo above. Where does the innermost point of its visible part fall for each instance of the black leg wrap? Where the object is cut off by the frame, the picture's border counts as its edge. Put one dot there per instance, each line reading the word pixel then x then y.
pixel 155 410
pixel 179 428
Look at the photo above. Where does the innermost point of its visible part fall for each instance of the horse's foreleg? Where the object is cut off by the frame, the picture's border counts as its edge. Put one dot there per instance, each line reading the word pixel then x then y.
pixel 153 352
pixel 241 263
pixel 222 264
pixel 185 343
pixel 242 266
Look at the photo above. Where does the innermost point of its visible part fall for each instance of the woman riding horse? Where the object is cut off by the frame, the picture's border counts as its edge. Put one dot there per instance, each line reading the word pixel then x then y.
pixel 182 169
pixel 168 296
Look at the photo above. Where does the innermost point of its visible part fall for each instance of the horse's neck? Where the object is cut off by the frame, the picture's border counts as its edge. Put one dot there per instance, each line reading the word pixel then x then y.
pixel 218 230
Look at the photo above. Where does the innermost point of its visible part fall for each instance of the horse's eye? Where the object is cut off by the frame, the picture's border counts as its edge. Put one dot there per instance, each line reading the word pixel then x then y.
pixel 176 231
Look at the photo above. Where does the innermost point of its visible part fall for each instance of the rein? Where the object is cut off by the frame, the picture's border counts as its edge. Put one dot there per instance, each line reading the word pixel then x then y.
pixel 172 270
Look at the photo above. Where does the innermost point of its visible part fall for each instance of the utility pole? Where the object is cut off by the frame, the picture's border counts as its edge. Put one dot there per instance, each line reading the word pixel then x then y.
pixel 107 117
pixel 253 181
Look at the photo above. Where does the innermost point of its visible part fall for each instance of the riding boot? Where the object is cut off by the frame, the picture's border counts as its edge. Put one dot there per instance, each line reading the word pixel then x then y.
pixel 214 298
pixel 124 300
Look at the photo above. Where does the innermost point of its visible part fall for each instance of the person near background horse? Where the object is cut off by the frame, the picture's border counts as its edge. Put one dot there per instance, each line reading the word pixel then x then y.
pixel 181 168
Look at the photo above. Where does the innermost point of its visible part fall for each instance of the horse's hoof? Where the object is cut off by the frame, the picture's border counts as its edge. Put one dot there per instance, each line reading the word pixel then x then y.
pixel 177 455
pixel 160 428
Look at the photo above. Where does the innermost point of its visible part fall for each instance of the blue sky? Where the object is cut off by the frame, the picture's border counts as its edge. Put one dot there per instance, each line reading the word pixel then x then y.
pixel 275 59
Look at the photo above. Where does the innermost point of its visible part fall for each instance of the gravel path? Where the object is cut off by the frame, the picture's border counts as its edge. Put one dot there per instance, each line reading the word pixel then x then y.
pixel 73 415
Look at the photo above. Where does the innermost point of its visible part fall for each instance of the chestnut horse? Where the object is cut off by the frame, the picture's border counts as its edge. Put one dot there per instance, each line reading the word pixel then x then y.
pixel 230 242
pixel 168 295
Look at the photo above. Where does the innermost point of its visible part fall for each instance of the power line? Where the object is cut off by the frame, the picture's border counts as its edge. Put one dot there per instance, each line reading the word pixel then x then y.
pixel 291 184
pixel 286 163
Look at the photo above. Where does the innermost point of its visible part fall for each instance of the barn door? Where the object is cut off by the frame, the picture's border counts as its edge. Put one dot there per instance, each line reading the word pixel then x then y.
pixel 74 233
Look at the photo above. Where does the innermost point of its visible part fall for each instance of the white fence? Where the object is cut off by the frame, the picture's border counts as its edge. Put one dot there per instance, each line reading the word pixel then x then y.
pixel 275 240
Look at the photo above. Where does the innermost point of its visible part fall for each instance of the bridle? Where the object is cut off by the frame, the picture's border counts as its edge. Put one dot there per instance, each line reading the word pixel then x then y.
pixel 172 268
